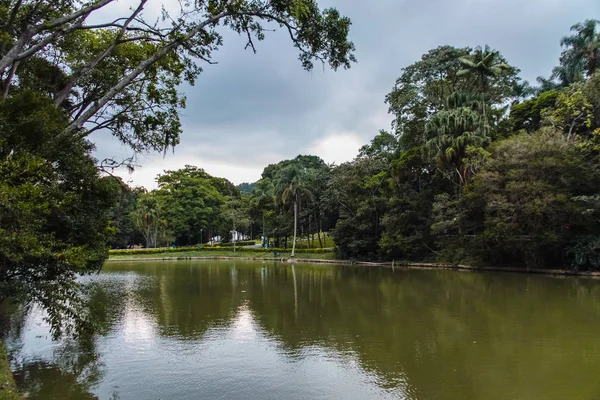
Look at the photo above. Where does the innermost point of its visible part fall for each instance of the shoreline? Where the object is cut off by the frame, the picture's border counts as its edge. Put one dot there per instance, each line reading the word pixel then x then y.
pixel 393 265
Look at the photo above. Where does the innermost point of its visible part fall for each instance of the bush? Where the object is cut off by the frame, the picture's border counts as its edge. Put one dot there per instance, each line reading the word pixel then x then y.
pixel 151 251
pixel 230 244
pixel 216 248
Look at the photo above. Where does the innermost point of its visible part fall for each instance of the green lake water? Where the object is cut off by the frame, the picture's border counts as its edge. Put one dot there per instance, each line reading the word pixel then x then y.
pixel 251 330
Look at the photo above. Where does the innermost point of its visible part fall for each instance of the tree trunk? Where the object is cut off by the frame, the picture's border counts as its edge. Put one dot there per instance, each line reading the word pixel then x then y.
pixel 308 233
pixel 320 228
pixel 295 225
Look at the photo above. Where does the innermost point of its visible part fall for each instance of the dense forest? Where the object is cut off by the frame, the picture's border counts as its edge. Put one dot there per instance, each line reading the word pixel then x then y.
pixel 479 167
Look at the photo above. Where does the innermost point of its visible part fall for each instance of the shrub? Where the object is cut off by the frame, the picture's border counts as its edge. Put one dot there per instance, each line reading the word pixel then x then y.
pixel 217 248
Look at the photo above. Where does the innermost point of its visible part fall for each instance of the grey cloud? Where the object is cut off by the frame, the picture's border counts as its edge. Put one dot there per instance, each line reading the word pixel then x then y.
pixel 257 109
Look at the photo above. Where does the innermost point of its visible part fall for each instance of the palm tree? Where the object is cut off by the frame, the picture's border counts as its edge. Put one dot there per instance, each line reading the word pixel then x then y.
pixel 521 91
pixel 567 73
pixel 456 128
pixel 147 218
pixel 583 47
pixel 262 193
pixel 484 64
pixel 292 186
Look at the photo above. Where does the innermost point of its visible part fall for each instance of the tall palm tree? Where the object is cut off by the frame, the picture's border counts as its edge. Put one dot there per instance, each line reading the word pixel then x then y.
pixel 292 186
pixel 483 65
pixel 582 47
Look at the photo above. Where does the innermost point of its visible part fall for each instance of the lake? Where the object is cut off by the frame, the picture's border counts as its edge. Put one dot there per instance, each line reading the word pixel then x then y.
pixel 253 330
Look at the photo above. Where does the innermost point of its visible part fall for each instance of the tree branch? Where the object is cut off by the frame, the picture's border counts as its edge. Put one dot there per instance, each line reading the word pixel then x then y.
pixel 79 122
pixel 62 95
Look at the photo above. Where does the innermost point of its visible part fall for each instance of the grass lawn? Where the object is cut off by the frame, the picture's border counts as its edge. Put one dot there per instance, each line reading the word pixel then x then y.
pixel 303 244
pixel 223 253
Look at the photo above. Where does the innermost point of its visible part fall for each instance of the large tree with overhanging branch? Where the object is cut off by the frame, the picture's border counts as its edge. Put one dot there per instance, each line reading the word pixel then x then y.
pixel 68 70
pixel 122 74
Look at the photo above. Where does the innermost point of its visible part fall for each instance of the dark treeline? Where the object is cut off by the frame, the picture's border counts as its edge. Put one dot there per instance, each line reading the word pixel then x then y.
pixel 479 168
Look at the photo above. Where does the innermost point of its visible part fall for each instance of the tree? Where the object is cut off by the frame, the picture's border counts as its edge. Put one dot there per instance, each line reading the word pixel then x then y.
pixel 262 197
pixel 526 192
pixel 572 111
pixel 235 212
pixel 453 131
pixel 121 213
pixel 149 219
pixel 357 191
pixel 484 65
pixel 54 211
pixel 529 114
pixel 122 75
pixel 422 90
pixel 192 201
pixel 582 48
pixel 63 77
pixel 292 187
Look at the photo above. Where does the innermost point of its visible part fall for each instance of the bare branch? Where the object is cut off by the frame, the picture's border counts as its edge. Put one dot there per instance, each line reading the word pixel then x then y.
pixel 7 82
pixel 250 42
pixel 79 122
pixel 16 52
pixel 73 16
pixel 62 95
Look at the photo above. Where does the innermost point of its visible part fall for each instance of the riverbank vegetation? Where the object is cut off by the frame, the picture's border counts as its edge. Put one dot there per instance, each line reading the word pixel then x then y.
pixel 277 254
pixel 70 69
pixel 479 168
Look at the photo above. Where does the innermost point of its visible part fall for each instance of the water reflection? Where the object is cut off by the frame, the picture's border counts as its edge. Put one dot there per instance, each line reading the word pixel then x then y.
pixel 190 330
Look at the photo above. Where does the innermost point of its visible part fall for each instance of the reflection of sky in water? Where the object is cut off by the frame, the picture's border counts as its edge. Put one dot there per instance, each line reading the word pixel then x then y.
pixel 235 361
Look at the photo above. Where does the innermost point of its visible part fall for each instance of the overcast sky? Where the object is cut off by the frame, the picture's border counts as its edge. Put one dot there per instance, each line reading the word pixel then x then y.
pixel 251 110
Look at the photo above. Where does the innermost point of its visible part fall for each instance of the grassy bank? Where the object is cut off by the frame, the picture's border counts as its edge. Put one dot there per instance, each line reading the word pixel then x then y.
pixel 8 388
pixel 221 253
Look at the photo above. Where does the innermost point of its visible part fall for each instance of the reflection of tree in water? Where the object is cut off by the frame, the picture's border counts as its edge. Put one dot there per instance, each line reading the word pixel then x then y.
pixel 70 376
pixel 75 367
pixel 430 334
pixel 427 331
pixel 406 327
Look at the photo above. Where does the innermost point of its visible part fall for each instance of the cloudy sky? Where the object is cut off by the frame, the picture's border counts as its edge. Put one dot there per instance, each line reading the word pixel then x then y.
pixel 251 110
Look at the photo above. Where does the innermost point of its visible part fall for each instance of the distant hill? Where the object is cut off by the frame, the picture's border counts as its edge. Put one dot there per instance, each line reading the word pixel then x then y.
pixel 246 187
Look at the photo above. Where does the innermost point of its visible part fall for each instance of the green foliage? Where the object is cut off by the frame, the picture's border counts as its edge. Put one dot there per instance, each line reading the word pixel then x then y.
pixel 122 214
pixel 64 78
pixel 525 192
pixel 572 111
pixel 123 77
pixel 585 253
pixel 356 189
pixel 464 183
pixel 246 188
pixel 209 249
pixel 528 115
pixel 582 49
pixel 54 209
pixel 191 200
